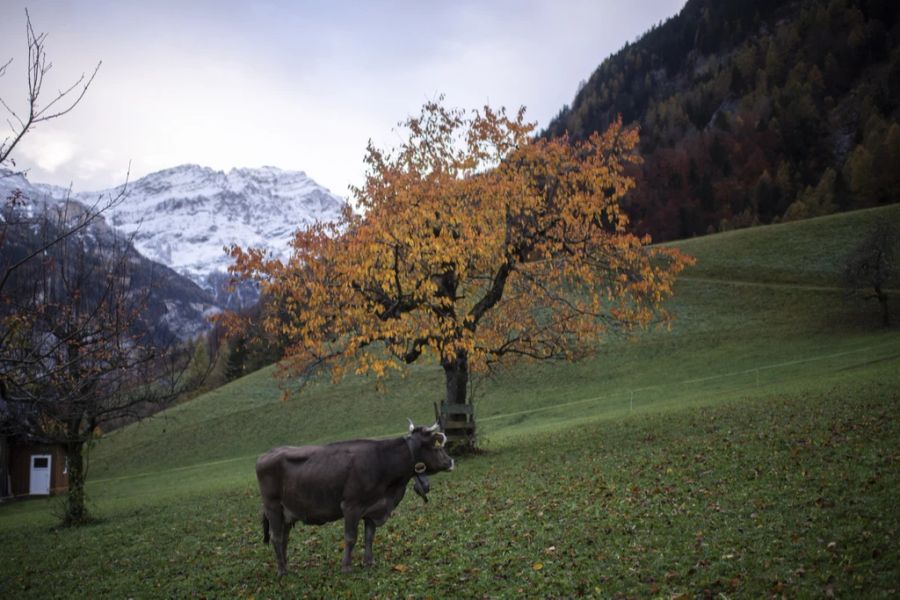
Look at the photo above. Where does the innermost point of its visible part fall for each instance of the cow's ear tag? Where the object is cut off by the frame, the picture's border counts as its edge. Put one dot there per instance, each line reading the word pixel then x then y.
pixel 420 467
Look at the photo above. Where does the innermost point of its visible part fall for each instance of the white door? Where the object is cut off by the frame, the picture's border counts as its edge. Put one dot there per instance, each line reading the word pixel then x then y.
pixel 40 474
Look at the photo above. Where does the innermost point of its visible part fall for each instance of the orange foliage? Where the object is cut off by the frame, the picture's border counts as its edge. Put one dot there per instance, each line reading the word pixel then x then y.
pixel 475 242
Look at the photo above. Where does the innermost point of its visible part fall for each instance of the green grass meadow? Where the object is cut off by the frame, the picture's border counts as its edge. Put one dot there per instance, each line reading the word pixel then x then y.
pixel 751 451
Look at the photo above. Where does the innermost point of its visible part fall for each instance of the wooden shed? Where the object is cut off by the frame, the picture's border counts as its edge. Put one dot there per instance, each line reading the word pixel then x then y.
pixel 34 469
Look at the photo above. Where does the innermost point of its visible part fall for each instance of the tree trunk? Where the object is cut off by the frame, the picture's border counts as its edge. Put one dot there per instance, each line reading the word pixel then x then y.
pixel 459 427
pixel 456 377
pixel 76 513
pixel 4 476
pixel 883 300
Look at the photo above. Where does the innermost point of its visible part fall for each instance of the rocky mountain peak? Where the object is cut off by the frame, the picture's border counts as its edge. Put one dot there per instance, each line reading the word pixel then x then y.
pixel 186 216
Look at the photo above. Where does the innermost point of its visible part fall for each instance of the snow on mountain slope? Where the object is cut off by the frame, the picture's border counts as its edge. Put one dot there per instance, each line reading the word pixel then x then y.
pixel 185 216
pixel 176 307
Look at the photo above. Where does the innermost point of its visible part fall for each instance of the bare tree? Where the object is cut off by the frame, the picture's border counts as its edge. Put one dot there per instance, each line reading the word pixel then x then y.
pixel 76 353
pixel 871 266
pixel 38 109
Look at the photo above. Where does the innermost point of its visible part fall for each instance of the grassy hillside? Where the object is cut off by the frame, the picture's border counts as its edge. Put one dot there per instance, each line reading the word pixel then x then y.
pixel 751 449
pixel 722 330
pixel 810 252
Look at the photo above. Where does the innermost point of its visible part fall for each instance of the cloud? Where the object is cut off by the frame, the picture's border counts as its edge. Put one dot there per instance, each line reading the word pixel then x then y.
pixel 297 85
pixel 49 149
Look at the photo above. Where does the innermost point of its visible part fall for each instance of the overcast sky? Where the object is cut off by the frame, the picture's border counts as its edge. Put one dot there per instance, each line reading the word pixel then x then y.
pixel 297 85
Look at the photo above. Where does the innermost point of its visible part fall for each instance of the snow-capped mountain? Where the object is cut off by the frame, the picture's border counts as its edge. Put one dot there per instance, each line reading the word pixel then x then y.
pixel 185 216
pixel 176 307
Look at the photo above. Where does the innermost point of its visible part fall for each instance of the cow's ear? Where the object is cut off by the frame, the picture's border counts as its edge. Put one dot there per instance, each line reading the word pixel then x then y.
pixel 438 439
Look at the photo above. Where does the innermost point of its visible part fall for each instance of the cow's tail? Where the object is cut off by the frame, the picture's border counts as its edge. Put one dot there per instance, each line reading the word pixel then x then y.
pixel 265 525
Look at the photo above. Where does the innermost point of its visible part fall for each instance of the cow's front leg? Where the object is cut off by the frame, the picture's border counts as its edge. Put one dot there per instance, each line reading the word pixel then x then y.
pixel 351 527
pixel 368 558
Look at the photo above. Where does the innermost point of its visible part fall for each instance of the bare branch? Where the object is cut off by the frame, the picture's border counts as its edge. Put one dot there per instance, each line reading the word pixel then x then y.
pixel 43 115
pixel 65 100
pixel 93 213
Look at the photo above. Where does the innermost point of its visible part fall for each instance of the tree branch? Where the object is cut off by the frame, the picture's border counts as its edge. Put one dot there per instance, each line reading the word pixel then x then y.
pixel 38 67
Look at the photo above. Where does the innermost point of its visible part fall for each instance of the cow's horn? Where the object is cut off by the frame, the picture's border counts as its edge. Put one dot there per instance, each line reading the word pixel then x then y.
pixel 434 427
pixel 411 424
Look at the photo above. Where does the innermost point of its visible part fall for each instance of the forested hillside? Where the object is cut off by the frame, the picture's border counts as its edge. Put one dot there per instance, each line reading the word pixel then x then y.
pixel 754 112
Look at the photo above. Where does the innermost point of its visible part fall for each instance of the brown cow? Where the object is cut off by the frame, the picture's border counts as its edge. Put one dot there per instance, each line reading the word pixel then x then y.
pixel 354 480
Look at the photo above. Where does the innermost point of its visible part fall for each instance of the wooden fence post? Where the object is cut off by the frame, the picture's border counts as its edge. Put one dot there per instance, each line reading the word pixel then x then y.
pixel 458 423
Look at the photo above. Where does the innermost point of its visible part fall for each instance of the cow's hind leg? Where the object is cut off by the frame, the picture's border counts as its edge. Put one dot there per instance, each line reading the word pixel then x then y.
pixel 278 530
pixel 288 525
pixel 368 557
pixel 351 528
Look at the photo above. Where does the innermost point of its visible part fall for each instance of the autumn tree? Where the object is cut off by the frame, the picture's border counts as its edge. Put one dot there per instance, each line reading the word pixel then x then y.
pixel 815 202
pixel 474 244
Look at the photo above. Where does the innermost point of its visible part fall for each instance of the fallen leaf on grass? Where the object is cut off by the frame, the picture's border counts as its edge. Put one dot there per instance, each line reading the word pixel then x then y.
pixel 400 568
pixel 537 566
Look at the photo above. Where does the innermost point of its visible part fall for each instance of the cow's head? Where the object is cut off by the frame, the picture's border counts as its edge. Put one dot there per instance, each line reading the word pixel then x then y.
pixel 427 446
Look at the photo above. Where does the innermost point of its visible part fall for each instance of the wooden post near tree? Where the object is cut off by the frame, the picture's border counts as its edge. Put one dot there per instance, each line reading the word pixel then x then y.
pixel 457 421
